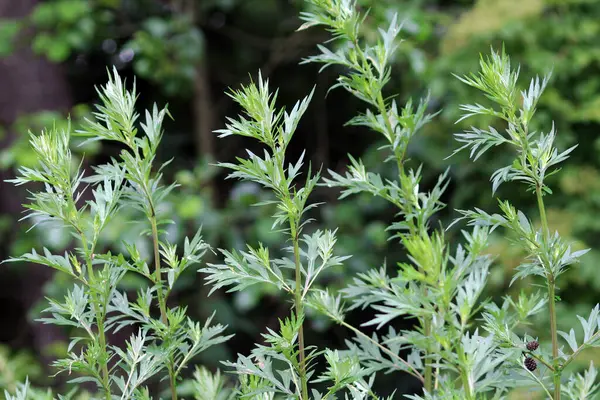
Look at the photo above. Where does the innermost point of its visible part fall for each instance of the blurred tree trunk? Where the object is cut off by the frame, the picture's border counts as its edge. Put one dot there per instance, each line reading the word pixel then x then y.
pixel 203 109
pixel 203 112
pixel 29 84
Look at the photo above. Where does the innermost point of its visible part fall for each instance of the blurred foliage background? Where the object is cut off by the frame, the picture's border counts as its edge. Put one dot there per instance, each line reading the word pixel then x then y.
pixel 188 52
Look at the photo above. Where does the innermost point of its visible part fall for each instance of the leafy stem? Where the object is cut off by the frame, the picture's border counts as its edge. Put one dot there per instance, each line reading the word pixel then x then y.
pixel 542 209
pixel 299 309
pixel 102 343
pixel 551 297
pixel 537 158
pixel 399 151
pixel 162 301
pixel 100 314
pixel 466 385
pixel 161 296
pixel 428 383
pixel 157 271
pixel 96 305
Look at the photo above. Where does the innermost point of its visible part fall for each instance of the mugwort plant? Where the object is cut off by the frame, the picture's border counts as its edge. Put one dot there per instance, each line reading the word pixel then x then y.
pixel 460 346
pixel 162 344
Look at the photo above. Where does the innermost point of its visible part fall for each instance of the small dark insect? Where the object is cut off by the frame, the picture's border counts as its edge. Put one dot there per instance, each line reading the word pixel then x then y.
pixel 530 364
pixel 533 345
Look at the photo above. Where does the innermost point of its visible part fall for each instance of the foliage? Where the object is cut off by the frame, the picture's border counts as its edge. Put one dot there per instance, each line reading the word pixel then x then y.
pixel 451 346
pixel 536 159
pixel 440 290
pixel 310 255
pixel 95 306
pixel 168 52
pixel 21 154
pixel 15 368
pixel 444 297
pixel 539 36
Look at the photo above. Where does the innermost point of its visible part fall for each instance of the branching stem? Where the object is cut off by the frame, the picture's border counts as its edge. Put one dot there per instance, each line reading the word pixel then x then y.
pixel 551 298
pixel 399 153
pixel 162 303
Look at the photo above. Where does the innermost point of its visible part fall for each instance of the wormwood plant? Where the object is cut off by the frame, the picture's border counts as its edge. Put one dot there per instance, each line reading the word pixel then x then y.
pixel 548 255
pixel 164 339
pixel 460 347
pixel 440 289
pixel 283 366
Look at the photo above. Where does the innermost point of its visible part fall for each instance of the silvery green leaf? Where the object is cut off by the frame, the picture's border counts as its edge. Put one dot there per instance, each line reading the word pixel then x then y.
pixel 582 386
pixel 570 339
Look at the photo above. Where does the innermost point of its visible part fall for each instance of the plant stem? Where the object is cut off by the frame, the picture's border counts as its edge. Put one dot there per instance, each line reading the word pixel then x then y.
pixel 551 297
pixel 399 154
pixel 162 302
pixel 172 380
pixel 541 384
pixel 428 384
pixel 541 360
pixel 557 369
pixel 542 209
pixel 102 343
pixel 466 385
pixel 161 297
pixel 299 311
pixel 98 311
pixel 157 271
